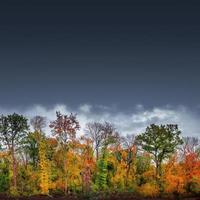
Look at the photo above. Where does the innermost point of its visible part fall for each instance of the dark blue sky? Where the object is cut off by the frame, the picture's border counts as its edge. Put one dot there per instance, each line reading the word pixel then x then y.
pixel 100 52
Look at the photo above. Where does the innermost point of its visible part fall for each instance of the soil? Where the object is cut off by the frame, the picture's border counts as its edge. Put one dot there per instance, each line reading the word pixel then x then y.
pixel 110 197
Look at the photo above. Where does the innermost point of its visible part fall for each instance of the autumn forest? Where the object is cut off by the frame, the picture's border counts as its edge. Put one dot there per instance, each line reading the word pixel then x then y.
pixel 157 162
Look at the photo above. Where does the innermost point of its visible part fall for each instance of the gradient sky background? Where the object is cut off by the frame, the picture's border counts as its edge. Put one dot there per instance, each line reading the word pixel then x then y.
pixel 123 55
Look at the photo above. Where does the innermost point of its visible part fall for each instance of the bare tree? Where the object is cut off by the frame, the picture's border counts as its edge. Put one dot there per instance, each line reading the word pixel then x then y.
pixel 94 131
pixel 101 134
pixel 129 144
pixel 190 145
pixel 38 123
pixel 128 141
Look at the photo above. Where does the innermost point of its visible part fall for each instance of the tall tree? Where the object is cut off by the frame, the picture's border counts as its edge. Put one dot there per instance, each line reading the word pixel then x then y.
pixel 44 167
pixel 87 163
pixel 94 131
pixel 102 171
pixel 160 141
pixel 64 129
pixel 13 130
pixel 130 147
pixel 32 142
pixel 31 148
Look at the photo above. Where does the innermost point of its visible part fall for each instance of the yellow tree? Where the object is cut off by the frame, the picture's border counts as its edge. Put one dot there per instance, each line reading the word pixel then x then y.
pixel 73 170
pixel 38 123
pixel 44 168
pixel 118 179
pixel 123 162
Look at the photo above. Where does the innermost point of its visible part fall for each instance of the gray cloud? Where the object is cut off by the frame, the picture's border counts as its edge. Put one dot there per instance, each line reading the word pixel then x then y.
pixel 133 122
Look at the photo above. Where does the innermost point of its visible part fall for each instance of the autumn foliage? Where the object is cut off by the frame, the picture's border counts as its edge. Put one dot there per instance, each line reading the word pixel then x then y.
pixel 156 162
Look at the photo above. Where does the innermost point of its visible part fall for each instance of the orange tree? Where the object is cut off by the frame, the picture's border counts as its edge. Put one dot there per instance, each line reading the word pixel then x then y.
pixel 174 177
pixel 88 163
pixel 191 166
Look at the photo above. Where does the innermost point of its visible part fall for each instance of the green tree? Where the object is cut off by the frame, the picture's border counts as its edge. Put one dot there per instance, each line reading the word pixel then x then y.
pixel 13 130
pixel 31 148
pixel 161 142
pixel 110 137
pixel 31 144
pixel 143 165
pixel 102 171
pixel 4 175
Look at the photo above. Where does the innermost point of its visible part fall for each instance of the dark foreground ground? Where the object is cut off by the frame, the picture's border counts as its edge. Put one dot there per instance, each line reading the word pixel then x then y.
pixel 110 197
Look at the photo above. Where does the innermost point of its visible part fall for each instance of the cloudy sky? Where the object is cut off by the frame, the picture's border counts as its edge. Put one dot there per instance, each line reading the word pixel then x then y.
pixel 130 62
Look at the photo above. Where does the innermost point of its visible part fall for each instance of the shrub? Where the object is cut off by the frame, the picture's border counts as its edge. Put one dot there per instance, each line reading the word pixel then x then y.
pixel 194 186
pixel 149 190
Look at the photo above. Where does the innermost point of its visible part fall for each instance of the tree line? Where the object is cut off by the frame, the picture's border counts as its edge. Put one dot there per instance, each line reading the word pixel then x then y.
pixel 157 161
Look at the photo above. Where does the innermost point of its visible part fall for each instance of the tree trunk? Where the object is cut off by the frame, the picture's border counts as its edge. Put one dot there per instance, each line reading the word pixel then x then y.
pixel 127 175
pixel 65 176
pixel 158 176
pixel 157 169
pixel 14 166
pixel 97 154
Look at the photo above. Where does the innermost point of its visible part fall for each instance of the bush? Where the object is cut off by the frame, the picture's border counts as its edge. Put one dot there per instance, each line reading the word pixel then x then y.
pixel 194 186
pixel 149 190
pixel 13 192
